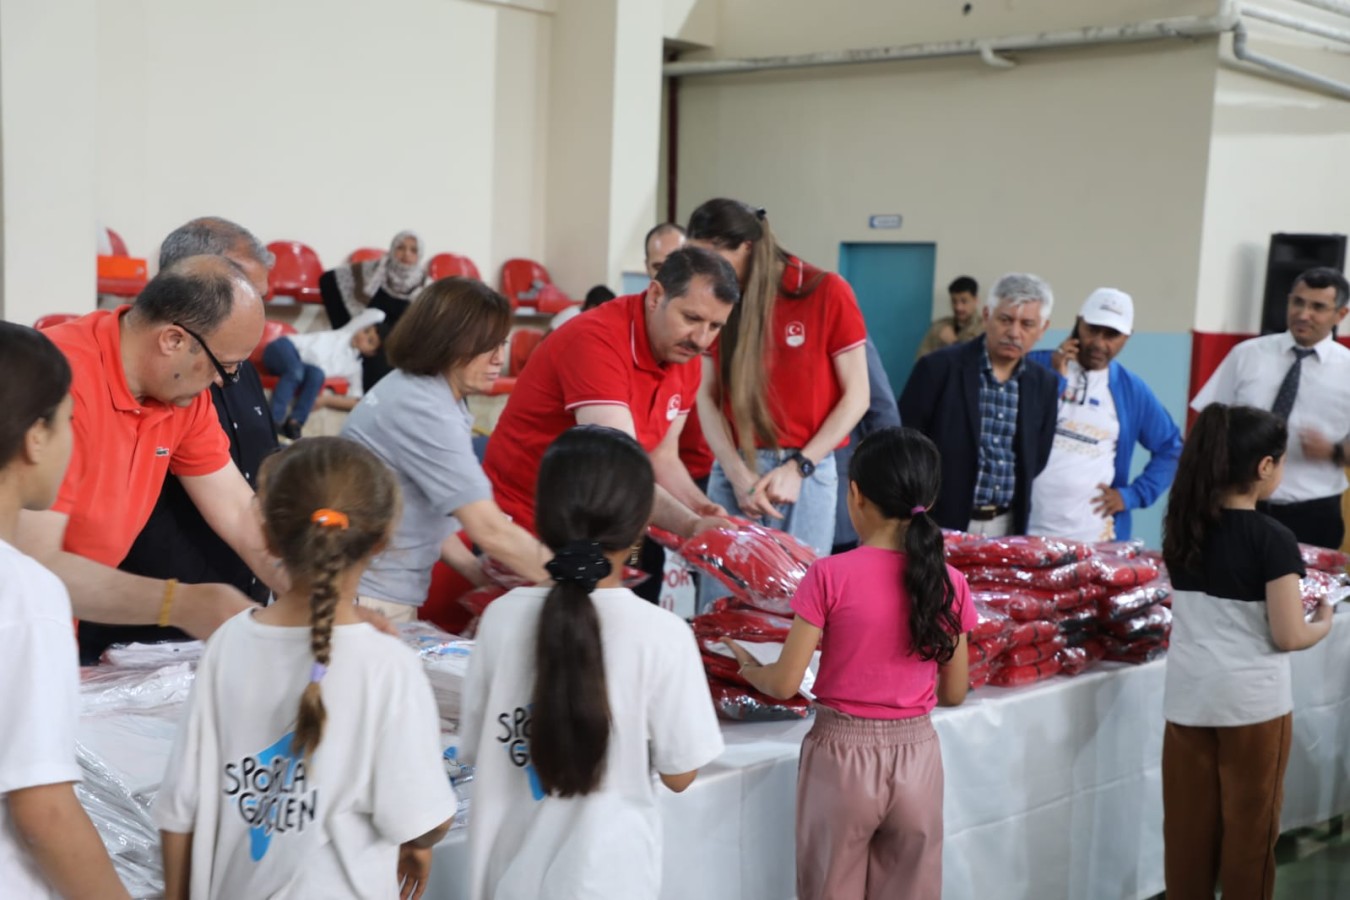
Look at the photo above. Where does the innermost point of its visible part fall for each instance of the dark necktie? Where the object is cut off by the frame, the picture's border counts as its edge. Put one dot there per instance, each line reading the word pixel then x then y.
pixel 1284 400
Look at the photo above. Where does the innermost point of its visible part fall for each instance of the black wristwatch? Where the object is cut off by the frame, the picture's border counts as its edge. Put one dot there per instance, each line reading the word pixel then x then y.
pixel 804 465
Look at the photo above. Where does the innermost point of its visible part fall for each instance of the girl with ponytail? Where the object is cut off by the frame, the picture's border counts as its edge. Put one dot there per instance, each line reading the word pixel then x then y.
pixel 343 792
pixel 786 382
pixel 577 690
pixel 890 619
pixel 1237 614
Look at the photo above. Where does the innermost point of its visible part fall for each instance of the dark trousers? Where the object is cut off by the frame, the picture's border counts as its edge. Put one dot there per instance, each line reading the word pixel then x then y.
pixel 298 384
pixel 1316 522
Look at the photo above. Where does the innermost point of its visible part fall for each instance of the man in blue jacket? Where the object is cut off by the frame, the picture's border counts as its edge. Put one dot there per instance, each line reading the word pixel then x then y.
pixel 1085 492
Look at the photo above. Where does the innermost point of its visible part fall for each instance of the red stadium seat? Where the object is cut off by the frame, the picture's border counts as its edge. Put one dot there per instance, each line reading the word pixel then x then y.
pixel 452 265
pixel 296 272
pixel 53 320
pixel 271 331
pixel 527 283
pixel 119 246
pixel 365 254
pixel 523 342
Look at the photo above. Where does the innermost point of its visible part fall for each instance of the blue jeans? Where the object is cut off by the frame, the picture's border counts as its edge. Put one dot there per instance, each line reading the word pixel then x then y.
pixel 298 384
pixel 810 519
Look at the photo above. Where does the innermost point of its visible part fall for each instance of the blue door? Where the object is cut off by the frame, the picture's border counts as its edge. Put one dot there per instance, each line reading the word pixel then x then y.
pixel 894 284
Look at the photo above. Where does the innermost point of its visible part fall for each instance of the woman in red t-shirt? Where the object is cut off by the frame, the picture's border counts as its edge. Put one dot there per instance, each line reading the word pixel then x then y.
pixel 787 380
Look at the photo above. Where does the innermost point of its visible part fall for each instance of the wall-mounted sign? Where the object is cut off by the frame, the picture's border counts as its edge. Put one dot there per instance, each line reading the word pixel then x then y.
pixel 885 221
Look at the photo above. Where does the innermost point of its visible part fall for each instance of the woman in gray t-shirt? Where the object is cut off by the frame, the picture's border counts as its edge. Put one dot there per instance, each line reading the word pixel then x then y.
pixel 448 345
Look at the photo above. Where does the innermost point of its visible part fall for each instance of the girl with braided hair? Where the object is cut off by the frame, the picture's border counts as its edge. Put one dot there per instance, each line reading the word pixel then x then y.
pixel 344 795
pixel 577 690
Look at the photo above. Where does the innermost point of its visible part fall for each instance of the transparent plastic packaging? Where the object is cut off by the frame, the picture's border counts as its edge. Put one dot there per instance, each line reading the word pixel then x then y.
pixel 1020 676
pixel 1322 559
pixel 1072 660
pixel 123 823
pixel 1032 633
pixel 985 651
pixel 1129 603
pixel 743 704
pixel 1027 654
pixel 760 566
pixel 1130 549
pixel 1122 573
pixel 742 624
pixel 1021 551
pixel 1153 623
pixel 1060 578
pixel 989 623
pixel 1018 606
pixel 1320 587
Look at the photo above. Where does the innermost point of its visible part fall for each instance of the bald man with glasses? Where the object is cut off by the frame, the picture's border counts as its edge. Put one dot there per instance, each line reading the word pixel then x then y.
pixel 143 410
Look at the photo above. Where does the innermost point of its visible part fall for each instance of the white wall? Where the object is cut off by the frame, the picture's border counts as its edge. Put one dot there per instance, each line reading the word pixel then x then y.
pixel 335 124
pixel 1277 160
pixel 47 78
pixel 1085 166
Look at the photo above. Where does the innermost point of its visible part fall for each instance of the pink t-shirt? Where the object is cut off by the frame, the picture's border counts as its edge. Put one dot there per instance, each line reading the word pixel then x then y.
pixel 867 667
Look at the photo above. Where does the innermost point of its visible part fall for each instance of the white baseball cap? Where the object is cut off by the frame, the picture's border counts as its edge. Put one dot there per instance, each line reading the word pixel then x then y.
pixel 1109 308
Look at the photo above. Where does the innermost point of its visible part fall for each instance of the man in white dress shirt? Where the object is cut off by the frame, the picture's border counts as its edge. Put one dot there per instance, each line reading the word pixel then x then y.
pixel 1303 375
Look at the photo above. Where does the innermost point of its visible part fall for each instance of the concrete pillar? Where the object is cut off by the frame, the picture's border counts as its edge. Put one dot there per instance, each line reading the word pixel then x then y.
pixel 48 77
pixel 604 138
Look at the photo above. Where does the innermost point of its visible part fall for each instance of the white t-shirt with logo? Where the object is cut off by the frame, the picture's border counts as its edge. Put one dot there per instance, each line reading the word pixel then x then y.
pixel 525 845
pixel 1082 457
pixel 40 706
pixel 266 824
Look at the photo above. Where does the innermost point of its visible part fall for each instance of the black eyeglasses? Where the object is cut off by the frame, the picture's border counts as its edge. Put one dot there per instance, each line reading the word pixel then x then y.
pixel 226 376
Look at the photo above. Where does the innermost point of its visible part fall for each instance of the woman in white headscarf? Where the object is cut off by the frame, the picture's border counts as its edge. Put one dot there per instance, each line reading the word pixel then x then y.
pixel 389 284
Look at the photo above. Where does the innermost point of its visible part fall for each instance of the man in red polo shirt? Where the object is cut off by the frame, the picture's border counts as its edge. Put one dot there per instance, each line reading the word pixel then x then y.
pixel 632 364
pixel 141 411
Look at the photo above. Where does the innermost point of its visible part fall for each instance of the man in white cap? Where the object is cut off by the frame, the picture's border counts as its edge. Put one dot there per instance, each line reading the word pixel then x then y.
pixel 1085 492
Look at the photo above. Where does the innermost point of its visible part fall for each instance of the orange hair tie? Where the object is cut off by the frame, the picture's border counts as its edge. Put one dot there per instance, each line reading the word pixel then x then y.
pixel 330 518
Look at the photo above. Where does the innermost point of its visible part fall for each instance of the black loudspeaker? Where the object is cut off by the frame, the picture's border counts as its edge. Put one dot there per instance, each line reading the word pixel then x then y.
pixel 1290 256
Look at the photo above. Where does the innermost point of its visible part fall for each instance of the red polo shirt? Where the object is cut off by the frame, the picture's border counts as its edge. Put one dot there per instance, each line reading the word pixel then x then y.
pixel 122 448
pixel 807 334
pixel 600 358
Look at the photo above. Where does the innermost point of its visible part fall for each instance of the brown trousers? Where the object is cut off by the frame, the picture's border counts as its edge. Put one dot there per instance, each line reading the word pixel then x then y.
pixel 1222 793
pixel 869 809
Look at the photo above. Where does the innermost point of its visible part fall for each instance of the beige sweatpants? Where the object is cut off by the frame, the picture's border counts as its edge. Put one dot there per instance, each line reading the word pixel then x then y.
pixel 869 809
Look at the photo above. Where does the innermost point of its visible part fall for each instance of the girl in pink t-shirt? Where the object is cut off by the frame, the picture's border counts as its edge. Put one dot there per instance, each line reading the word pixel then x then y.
pixel 890 619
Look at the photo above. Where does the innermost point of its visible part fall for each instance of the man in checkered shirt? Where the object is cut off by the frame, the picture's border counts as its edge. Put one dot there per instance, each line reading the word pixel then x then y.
pixel 990 413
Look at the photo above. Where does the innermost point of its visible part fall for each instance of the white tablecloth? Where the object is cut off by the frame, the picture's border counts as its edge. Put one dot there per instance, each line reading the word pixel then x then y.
pixel 1052 791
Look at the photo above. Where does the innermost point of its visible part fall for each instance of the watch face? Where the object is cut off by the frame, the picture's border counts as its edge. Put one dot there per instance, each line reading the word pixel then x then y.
pixel 805 465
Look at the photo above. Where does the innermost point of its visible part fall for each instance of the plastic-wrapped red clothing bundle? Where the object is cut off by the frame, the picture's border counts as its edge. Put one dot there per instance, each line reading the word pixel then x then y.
pixel 979 676
pixel 1032 633
pixel 951 537
pixel 1019 607
pixel 1059 578
pixel 989 623
pixel 757 566
pixel 1067 599
pixel 1323 559
pixel 1127 604
pixel 1026 654
pixel 1135 653
pixel 1316 586
pixel 1072 660
pixel 668 539
pixel 1153 623
pixel 723 667
pixel 1022 551
pixel 1119 549
pixel 744 704
pixel 1076 621
pixel 741 624
pixel 986 651
pixel 1124 572
pixel 477 600
pixel 1019 676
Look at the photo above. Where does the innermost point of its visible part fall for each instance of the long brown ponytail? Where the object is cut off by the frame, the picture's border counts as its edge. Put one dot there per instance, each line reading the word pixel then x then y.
pixel 327 504
pixel 745 341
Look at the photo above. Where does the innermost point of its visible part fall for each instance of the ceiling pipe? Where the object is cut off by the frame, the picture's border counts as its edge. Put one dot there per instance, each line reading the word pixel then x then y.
pixel 1285 70
pixel 1340 7
pixel 988 49
pixel 1297 24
